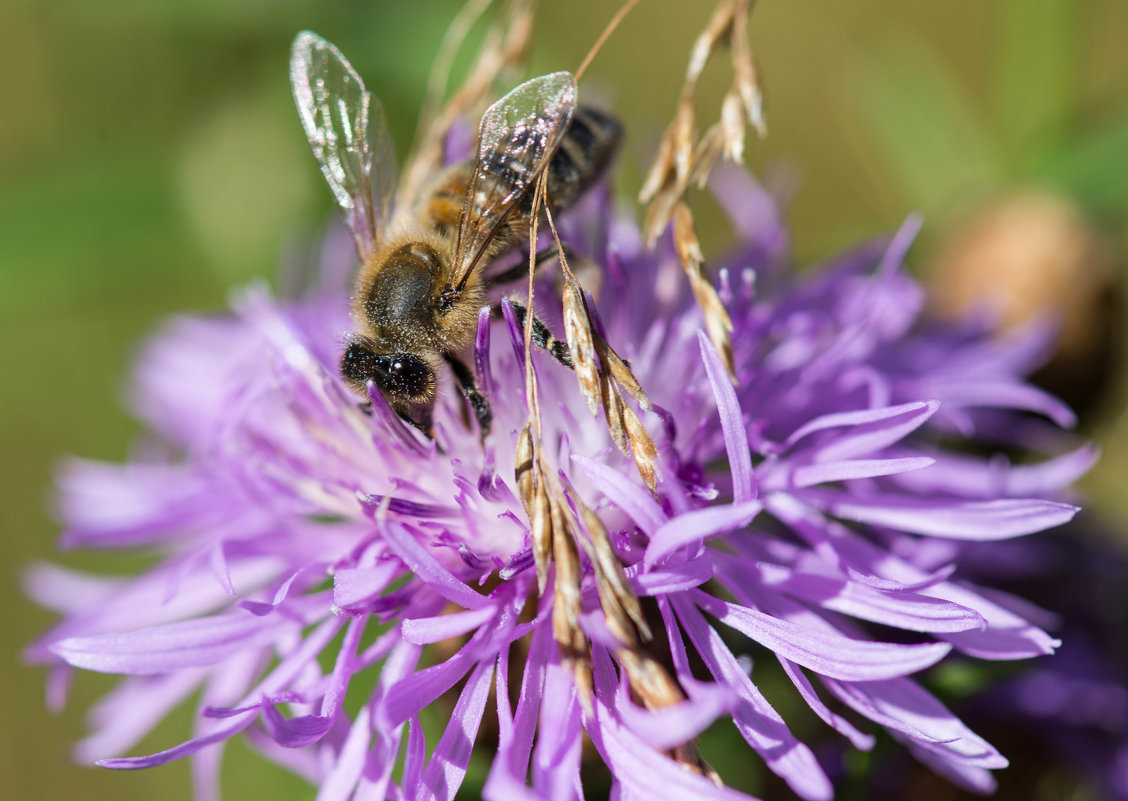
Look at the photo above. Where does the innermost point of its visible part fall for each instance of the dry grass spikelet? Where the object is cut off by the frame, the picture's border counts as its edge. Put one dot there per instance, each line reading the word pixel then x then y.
pixel 718 324
pixel 685 159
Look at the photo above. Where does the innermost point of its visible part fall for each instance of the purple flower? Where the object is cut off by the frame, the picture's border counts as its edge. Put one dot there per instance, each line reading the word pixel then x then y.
pixel 815 513
pixel 1064 719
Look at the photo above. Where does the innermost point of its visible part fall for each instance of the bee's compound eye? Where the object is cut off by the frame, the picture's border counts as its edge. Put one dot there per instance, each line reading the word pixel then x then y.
pixel 411 376
pixel 360 364
pixel 402 377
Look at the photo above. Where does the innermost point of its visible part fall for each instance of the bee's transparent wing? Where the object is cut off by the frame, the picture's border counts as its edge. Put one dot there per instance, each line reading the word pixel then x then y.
pixel 516 138
pixel 349 135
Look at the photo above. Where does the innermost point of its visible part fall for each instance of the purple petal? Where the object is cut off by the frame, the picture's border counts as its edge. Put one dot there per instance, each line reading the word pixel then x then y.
pixel 261 609
pixel 501 785
pixel 1006 635
pixel 848 470
pixel 295 661
pixel 416 756
pixel 894 256
pixel 1052 476
pixel 696 526
pixel 905 610
pixel 556 759
pixel 966 520
pixel 376 779
pixel 295 732
pixel 632 498
pixel 975 478
pixel 407 697
pixel 353 588
pixel 224 712
pixel 863 742
pixel 371 503
pixel 205 773
pixel 392 422
pixel 152 599
pixel 827 654
pixel 342 778
pixel 424 631
pixel 447 767
pixel 516 333
pixel 506 780
pixel 870 429
pixel 938 576
pixel 1003 395
pixel 160 649
pixel 501 699
pixel 149 698
pixel 301 762
pixel 482 353
pixel 970 777
pixel 732 422
pixel 339 679
pixel 541 650
pixel 114 506
pixel 758 722
pixel 178 752
pixel 752 210
pixel 665 728
pixel 894 607
pixel 646 773
pixel 904 707
pixel 217 561
pixel 671 579
pixel 420 562
pixel 68 591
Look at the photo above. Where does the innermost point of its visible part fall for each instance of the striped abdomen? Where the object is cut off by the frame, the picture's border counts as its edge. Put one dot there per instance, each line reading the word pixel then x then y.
pixel 591 142
pixel 588 146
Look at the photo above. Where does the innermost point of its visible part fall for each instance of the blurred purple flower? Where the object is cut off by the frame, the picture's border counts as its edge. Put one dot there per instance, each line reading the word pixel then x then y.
pixel 818 509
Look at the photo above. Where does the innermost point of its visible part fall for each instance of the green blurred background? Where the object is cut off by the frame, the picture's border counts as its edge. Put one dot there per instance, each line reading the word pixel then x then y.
pixel 150 160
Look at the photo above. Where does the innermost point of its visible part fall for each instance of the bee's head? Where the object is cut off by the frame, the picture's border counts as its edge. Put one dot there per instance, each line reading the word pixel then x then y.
pixel 405 379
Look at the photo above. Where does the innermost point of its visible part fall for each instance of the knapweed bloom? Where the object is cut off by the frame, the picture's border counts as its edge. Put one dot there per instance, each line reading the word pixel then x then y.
pixel 813 512
pixel 1065 719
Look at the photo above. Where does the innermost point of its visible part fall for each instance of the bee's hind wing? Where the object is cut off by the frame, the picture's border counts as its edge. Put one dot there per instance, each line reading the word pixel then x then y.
pixel 348 133
pixel 516 139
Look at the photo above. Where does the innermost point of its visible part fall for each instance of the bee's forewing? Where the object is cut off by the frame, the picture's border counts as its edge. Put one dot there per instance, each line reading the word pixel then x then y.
pixel 516 138
pixel 348 133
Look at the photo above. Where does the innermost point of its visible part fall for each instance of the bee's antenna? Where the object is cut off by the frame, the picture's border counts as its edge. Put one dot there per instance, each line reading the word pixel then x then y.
pixel 611 26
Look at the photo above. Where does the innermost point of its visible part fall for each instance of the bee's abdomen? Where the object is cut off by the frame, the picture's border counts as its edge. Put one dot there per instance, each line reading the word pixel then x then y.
pixel 589 145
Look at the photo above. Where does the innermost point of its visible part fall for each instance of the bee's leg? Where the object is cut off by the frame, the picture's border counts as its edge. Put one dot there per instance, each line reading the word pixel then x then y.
pixel 425 426
pixel 521 269
pixel 422 420
pixel 543 338
pixel 465 377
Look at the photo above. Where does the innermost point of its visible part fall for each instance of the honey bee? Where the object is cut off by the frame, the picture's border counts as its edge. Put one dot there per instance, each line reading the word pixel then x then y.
pixel 423 278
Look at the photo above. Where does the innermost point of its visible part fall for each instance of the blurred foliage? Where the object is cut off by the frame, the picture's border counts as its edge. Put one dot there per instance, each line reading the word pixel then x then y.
pixel 945 152
pixel 150 159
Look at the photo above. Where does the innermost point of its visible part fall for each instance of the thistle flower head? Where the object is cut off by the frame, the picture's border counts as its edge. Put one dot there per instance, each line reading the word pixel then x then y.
pixel 813 513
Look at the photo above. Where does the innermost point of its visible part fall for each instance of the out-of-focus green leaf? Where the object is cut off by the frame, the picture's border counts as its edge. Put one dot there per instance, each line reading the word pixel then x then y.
pixel 1093 168
pixel 98 223
pixel 929 135
pixel 961 679
pixel 1034 77
pixel 243 180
